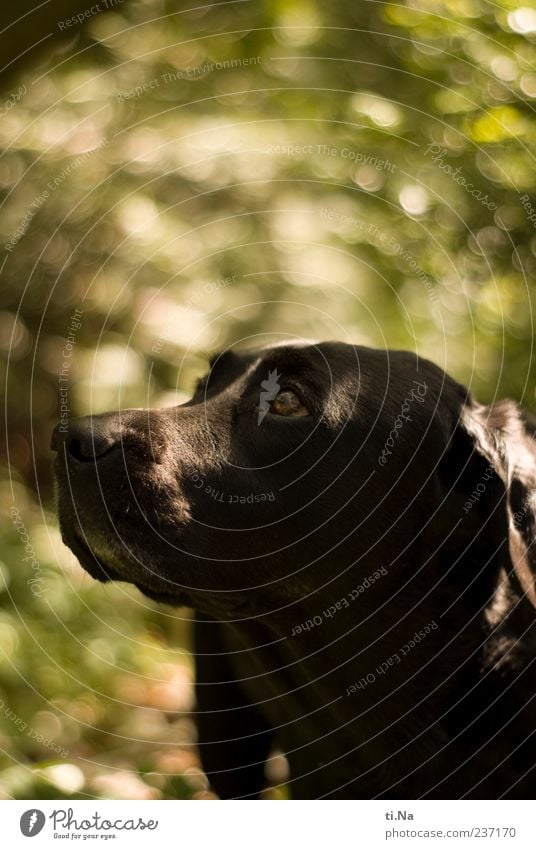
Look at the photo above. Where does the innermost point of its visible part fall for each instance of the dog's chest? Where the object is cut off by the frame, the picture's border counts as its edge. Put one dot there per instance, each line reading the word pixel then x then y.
pixel 304 699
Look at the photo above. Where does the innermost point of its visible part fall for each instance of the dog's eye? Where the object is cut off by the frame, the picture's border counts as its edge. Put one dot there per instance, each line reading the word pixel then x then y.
pixel 288 403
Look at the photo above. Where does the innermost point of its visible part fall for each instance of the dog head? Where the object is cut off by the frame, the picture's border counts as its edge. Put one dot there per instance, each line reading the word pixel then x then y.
pixel 292 466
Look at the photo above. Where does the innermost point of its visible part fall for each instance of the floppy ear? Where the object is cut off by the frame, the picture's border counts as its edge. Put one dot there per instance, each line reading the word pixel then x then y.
pixel 498 479
pixel 502 436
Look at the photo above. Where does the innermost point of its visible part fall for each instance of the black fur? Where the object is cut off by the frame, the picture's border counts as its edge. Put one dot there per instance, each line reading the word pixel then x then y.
pixel 373 614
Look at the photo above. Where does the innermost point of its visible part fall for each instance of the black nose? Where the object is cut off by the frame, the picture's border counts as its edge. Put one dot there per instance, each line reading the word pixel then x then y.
pixel 84 440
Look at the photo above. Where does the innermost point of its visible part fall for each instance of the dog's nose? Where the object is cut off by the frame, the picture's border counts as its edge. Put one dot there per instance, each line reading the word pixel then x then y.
pixel 83 440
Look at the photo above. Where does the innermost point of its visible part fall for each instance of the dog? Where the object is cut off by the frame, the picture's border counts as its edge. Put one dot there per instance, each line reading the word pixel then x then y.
pixel 356 535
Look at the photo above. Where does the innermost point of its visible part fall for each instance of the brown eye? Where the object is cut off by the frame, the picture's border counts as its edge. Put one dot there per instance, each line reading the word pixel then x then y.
pixel 288 403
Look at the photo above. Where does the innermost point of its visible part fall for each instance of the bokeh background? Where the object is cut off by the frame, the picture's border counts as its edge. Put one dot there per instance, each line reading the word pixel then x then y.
pixel 174 182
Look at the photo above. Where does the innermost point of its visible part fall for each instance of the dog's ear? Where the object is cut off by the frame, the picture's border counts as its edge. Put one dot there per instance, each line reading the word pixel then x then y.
pixel 491 463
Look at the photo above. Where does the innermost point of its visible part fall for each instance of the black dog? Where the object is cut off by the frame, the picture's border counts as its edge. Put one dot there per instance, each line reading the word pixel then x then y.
pixel 356 534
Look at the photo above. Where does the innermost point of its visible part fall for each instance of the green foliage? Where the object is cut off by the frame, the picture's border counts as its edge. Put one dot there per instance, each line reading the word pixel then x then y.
pixel 234 174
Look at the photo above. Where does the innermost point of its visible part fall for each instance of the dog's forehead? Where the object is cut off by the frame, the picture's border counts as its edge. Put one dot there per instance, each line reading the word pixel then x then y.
pixel 324 356
pixel 342 368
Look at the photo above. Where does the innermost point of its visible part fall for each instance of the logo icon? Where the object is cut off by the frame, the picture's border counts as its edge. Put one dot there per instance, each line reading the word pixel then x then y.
pixel 270 387
pixel 31 822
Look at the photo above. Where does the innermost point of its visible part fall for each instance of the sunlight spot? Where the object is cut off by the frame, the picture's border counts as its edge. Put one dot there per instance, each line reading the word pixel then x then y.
pixel 522 20
pixel 413 200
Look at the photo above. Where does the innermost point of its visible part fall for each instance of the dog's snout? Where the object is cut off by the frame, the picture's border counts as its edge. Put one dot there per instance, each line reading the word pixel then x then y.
pixel 83 440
